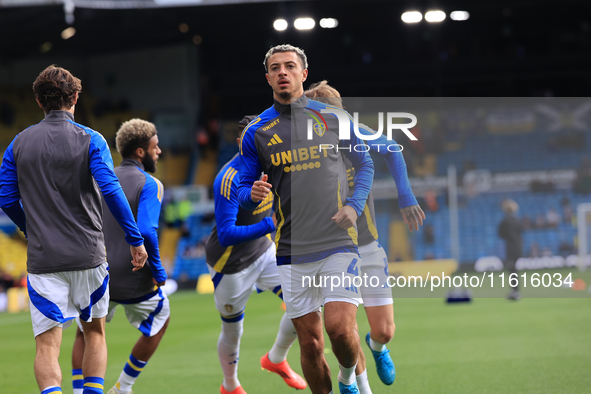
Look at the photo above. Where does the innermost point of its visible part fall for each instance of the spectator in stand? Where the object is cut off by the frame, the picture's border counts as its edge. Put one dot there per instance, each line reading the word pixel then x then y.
pixel 6 279
pixel 566 249
pixel 552 218
pixel 22 281
pixel 429 234
pixel 567 210
pixel 526 222
pixel 534 250
pixel 431 201
pixel 540 221
pixel 207 137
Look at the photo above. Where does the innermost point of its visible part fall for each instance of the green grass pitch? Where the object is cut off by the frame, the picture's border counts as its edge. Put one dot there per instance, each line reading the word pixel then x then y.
pixel 488 346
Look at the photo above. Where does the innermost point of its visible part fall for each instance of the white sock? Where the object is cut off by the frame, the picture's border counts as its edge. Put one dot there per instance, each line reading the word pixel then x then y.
pixel 347 375
pixel 285 338
pixel 229 352
pixel 378 347
pixel 131 371
pixel 363 383
pixel 125 383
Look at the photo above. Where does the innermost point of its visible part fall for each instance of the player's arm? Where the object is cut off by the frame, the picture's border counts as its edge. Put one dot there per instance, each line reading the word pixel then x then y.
pixel 9 191
pixel 363 177
pixel 412 213
pixel 226 211
pixel 251 190
pixel 148 215
pixel 101 168
pixel 396 165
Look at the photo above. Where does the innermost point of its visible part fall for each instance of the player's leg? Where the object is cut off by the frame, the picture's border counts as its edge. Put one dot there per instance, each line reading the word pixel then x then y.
pixel 47 368
pixel 146 346
pixel 303 304
pixel 314 365
pixel 276 359
pixel 151 317
pixel 140 355
pixel 231 295
pixel 377 299
pixel 339 320
pixel 78 352
pixel 94 363
pixel 89 292
pixel 77 356
pixel 51 310
pixel 341 299
pixel 381 323
pixel 229 352
pixel 286 336
pixel 361 371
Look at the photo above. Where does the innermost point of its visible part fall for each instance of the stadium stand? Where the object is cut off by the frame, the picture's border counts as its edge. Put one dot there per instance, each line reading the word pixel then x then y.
pixel 503 153
pixel 13 256
pixel 189 261
pixel 495 150
pixel 479 219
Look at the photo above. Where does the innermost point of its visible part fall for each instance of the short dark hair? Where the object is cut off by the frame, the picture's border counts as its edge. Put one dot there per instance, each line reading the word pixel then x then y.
pixel 133 134
pixel 286 48
pixel 56 88
pixel 246 120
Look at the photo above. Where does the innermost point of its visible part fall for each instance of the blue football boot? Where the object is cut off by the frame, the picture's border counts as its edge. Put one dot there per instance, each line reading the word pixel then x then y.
pixel 348 389
pixel 384 364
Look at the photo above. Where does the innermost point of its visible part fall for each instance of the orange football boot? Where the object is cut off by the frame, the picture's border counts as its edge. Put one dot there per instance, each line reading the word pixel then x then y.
pixel 284 370
pixel 237 390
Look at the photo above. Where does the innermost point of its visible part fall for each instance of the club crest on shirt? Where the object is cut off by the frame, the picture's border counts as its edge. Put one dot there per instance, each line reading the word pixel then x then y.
pixel 229 307
pixel 319 129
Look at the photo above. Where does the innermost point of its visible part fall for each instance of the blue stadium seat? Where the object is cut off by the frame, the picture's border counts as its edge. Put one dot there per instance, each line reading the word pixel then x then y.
pixel 186 262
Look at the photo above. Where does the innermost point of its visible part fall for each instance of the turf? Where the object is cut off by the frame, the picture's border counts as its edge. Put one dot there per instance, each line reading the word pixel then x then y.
pixel 488 346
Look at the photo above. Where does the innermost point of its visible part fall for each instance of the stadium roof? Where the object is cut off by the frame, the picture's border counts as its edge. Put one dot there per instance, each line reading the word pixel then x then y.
pixel 511 47
pixel 124 4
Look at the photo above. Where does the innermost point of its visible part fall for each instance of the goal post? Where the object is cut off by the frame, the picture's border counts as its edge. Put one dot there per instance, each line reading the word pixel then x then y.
pixel 583 232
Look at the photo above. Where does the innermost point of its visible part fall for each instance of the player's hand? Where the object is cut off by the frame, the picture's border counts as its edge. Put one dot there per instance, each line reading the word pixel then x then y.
pixel 413 217
pixel 159 284
pixel 139 255
pixel 260 189
pixel 345 217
